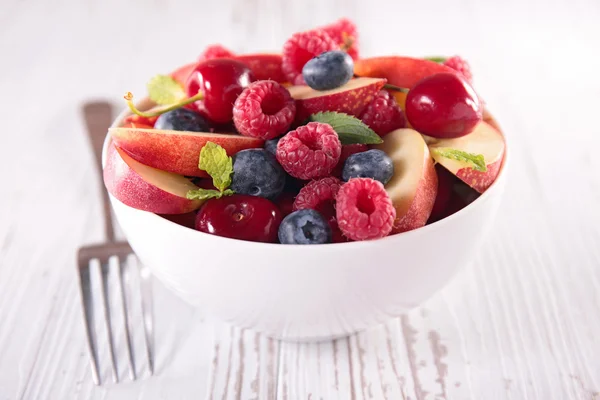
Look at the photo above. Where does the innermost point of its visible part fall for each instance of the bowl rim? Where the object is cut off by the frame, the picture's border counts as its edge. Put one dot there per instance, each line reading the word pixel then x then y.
pixel 145 104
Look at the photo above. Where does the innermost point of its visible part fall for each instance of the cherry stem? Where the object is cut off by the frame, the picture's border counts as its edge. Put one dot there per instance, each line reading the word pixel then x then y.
pixel 395 88
pixel 129 97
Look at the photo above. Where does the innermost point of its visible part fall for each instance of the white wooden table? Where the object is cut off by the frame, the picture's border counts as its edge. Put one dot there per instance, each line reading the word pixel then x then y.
pixel 522 322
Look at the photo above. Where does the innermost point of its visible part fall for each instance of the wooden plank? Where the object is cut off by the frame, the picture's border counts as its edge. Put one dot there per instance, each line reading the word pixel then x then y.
pixel 518 324
pixel 244 365
pixel 315 371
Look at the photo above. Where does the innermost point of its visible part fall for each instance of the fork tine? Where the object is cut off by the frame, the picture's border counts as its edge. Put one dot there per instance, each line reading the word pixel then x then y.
pixel 146 293
pixel 126 320
pixel 104 270
pixel 88 315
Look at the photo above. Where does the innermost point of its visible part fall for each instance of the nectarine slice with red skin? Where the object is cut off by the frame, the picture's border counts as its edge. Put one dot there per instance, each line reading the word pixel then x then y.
pixel 176 151
pixel 182 74
pixel 146 188
pixel 264 66
pixel 400 71
pixel 413 188
pixel 136 125
pixel 351 98
pixel 485 140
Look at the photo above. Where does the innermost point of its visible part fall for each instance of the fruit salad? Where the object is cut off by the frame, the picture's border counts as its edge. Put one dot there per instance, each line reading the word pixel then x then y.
pixel 313 145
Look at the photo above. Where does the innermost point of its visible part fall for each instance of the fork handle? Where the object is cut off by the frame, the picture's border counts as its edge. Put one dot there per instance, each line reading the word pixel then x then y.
pixel 98 117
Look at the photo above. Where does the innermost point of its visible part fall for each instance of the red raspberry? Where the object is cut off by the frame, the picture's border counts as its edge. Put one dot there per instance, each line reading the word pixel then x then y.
pixel 383 114
pixel 347 151
pixel 364 209
pixel 215 51
pixel 345 34
pixel 459 64
pixel 320 195
pixel 265 110
pixel 310 151
pixel 301 48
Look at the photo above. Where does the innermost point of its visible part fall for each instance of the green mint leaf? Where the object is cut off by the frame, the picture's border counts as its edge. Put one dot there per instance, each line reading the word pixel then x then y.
pixel 164 90
pixel 476 161
pixel 215 161
pixel 205 194
pixel 350 129
pixel 436 59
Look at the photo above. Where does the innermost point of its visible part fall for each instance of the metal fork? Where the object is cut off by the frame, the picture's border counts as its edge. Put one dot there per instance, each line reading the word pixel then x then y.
pixel 98 117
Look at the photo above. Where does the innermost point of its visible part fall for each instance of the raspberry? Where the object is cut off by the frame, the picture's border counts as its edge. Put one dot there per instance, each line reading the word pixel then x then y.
pixel 364 209
pixel 265 110
pixel 302 47
pixel 383 114
pixel 318 194
pixel 215 51
pixel 310 151
pixel 459 64
pixel 347 151
pixel 345 34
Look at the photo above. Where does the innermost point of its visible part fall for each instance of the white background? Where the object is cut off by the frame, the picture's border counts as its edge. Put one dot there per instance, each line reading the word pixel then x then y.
pixel 522 322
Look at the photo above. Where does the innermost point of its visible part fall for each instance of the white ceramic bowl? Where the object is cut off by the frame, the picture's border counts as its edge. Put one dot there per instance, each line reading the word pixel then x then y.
pixel 298 292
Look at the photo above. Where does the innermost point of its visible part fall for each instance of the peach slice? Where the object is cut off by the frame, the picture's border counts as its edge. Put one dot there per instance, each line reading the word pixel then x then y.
pixel 176 151
pixel 413 187
pixel 399 71
pixel 485 140
pixel 350 98
pixel 146 188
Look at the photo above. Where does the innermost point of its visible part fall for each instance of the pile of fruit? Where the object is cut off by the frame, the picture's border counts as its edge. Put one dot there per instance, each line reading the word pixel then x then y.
pixel 314 145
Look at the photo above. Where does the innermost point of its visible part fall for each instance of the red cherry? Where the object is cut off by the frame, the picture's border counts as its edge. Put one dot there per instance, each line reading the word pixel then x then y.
pixel 456 204
pixel 285 202
pixel 443 105
pixel 445 182
pixel 240 217
pixel 188 219
pixel 221 81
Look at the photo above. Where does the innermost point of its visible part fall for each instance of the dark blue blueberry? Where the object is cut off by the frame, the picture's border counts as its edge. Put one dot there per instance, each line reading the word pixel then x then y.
pixel 304 227
pixel 182 119
pixel 328 70
pixel 256 172
pixel 369 164
pixel 271 145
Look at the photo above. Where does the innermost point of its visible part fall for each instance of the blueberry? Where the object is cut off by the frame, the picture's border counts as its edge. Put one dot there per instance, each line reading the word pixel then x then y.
pixel 271 145
pixel 304 227
pixel 369 164
pixel 328 70
pixel 182 119
pixel 256 172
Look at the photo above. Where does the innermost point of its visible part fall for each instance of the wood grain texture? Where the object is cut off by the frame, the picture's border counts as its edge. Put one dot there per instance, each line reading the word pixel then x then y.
pixel 521 322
